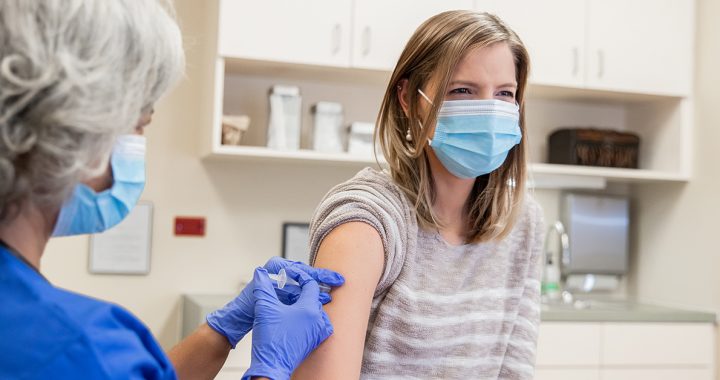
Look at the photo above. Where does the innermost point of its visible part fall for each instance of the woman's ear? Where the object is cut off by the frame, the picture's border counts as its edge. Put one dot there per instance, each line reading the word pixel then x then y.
pixel 402 94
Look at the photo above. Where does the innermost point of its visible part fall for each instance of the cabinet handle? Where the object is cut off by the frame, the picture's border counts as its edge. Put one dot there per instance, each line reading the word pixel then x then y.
pixel 601 63
pixel 337 38
pixel 576 61
pixel 366 41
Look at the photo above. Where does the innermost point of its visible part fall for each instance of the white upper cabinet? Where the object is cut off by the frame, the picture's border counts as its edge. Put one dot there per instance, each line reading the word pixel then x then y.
pixel 382 28
pixel 553 32
pixel 313 32
pixel 641 46
pixel 638 46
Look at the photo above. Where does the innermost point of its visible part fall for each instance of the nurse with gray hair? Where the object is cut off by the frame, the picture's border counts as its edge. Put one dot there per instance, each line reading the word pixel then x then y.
pixel 78 80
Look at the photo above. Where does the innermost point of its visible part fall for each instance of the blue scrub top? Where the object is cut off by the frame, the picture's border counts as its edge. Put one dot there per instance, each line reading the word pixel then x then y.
pixel 51 333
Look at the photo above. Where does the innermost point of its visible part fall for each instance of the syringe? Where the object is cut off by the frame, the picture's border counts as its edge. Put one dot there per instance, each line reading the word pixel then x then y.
pixel 282 279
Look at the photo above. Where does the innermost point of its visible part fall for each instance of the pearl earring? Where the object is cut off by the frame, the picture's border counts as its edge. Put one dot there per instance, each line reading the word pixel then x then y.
pixel 408 136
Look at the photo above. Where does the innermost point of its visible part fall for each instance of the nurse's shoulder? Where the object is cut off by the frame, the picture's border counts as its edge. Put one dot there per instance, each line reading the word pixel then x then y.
pixel 47 332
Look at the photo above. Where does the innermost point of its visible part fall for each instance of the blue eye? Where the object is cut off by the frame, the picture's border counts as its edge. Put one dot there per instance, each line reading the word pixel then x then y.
pixel 506 94
pixel 461 90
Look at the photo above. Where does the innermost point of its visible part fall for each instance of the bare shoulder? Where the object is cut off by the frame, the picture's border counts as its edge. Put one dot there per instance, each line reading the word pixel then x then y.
pixel 355 250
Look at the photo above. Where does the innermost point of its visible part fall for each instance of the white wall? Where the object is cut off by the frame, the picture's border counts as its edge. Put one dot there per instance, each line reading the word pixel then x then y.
pixel 678 255
pixel 678 258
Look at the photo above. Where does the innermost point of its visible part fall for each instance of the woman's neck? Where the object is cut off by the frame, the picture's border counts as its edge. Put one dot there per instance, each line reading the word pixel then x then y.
pixel 451 195
pixel 28 233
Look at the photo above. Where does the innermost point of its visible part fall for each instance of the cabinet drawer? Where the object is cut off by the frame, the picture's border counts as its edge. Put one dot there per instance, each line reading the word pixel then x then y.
pixel 658 343
pixel 573 344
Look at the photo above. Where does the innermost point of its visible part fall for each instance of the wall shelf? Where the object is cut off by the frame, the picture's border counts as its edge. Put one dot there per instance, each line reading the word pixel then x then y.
pixel 543 175
pixel 610 174
pixel 303 156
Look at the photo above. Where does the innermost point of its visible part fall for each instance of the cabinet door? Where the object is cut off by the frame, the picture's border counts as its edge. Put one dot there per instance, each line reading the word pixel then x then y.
pixel 566 374
pixel 553 32
pixel 657 374
pixel 382 28
pixel 658 344
pixel 642 46
pixel 313 32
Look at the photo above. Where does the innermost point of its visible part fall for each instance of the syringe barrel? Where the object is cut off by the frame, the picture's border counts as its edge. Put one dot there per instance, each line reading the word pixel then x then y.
pixel 282 279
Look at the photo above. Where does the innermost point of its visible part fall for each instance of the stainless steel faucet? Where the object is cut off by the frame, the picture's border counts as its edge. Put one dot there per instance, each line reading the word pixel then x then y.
pixel 559 229
pixel 563 258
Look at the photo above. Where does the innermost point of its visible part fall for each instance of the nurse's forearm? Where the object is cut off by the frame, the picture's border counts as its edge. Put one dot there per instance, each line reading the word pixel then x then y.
pixel 201 355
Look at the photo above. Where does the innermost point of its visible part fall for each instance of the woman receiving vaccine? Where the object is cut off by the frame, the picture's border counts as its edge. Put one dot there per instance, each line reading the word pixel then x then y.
pixel 441 253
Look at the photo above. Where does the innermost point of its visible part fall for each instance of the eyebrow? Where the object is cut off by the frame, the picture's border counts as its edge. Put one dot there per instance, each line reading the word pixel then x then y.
pixel 473 84
pixel 464 83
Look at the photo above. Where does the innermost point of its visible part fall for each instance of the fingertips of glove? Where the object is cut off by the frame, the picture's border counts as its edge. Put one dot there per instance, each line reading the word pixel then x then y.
pixel 323 275
pixel 324 298
pixel 264 288
pixel 329 277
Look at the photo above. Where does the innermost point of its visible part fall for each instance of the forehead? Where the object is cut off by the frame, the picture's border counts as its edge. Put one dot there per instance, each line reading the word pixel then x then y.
pixel 487 64
pixel 492 65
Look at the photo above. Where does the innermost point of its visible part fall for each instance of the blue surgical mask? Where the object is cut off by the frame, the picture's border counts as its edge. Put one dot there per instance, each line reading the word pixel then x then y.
pixel 473 137
pixel 89 212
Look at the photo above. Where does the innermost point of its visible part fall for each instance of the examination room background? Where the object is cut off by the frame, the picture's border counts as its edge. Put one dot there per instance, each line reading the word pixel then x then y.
pixel 677 262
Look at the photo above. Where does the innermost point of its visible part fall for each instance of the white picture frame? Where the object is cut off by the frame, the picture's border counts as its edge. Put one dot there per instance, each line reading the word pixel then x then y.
pixel 125 248
pixel 296 242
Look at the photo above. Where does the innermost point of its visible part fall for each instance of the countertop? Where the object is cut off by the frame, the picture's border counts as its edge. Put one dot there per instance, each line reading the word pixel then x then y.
pixel 620 311
pixel 591 310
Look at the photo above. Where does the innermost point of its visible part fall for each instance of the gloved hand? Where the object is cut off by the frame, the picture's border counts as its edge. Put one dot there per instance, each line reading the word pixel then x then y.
pixel 236 318
pixel 284 335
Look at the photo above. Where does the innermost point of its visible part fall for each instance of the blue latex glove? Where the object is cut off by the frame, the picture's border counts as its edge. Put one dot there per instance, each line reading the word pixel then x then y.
pixel 284 335
pixel 236 318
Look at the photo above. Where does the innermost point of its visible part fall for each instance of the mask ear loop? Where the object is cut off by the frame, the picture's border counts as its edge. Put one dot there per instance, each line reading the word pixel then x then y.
pixel 426 97
pixel 419 123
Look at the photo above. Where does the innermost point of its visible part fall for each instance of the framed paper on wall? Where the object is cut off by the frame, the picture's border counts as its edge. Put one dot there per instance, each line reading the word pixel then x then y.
pixel 125 248
pixel 296 241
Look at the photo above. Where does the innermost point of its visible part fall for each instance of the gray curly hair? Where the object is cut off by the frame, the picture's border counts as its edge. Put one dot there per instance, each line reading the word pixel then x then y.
pixel 75 74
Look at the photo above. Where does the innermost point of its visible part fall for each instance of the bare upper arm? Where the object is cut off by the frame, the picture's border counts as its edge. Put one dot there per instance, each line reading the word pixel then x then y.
pixel 356 251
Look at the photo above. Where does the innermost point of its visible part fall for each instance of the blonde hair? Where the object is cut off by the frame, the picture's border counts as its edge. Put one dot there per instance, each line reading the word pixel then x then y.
pixel 432 53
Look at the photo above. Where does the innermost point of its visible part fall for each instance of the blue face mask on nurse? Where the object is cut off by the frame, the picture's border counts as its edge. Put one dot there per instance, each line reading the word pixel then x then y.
pixel 88 211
